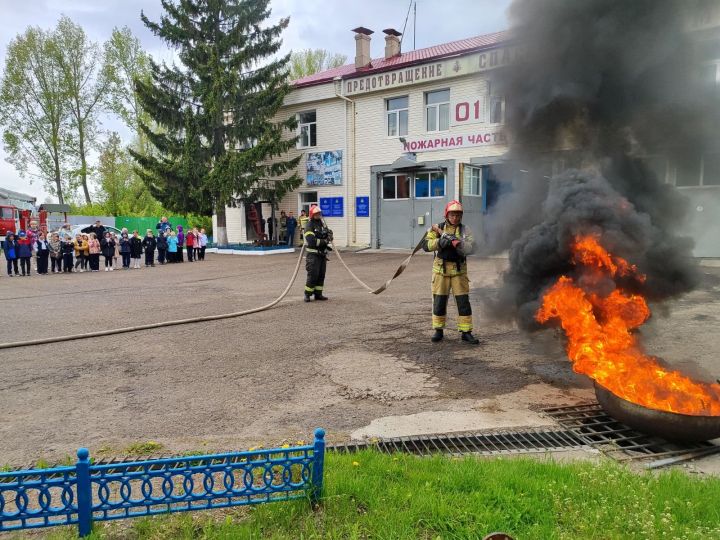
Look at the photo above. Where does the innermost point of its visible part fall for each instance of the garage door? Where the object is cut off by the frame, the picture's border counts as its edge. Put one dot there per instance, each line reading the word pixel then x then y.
pixel 408 204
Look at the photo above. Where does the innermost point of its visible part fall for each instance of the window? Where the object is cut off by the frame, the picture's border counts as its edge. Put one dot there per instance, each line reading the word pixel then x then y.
pixel 472 181
pixel 497 109
pixel 437 110
pixel 397 116
pixel 396 186
pixel 711 74
pixel 307 129
pixel 307 199
pixel 429 185
pixel 694 170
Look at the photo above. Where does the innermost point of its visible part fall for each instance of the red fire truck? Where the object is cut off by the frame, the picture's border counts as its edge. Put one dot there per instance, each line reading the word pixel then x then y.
pixel 14 219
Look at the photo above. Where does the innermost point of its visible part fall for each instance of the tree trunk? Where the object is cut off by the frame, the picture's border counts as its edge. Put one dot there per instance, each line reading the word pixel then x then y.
pixel 83 165
pixel 58 181
pixel 220 232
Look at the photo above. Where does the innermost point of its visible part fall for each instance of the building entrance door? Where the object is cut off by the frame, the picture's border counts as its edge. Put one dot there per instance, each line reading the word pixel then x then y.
pixel 408 204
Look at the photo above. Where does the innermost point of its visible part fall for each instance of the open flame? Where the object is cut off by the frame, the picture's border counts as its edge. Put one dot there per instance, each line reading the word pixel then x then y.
pixel 601 344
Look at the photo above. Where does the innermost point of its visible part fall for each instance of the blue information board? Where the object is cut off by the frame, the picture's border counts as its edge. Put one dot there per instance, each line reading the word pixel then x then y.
pixel 338 208
pixel 332 206
pixel 326 206
pixel 362 206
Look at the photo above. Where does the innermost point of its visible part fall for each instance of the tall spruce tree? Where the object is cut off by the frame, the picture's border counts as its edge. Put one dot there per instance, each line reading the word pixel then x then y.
pixel 218 139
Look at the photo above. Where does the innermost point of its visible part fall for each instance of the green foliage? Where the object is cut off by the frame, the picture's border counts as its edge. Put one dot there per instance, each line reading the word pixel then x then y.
pixel 85 86
pixel 372 495
pixel 217 110
pixel 311 61
pixel 34 111
pixel 126 61
pixel 143 448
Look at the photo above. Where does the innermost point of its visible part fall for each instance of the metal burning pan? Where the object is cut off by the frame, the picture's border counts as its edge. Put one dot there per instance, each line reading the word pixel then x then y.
pixel 668 425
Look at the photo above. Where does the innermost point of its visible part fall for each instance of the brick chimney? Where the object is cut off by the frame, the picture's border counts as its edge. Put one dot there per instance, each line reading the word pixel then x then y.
pixel 392 42
pixel 362 47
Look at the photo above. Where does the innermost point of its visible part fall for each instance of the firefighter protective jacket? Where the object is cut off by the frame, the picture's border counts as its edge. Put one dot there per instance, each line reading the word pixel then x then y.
pixel 450 261
pixel 316 236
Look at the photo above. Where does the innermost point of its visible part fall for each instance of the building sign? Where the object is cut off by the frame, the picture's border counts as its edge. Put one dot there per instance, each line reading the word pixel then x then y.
pixel 448 142
pixel 362 206
pixel 324 168
pixel 454 67
pixel 332 206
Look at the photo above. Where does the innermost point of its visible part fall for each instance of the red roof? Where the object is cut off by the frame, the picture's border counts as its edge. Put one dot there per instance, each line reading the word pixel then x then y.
pixel 454 48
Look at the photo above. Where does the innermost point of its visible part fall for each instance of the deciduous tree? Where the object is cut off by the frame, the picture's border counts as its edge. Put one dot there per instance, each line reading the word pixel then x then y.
pixel 310 61
pixel 85 87
pixel 34 111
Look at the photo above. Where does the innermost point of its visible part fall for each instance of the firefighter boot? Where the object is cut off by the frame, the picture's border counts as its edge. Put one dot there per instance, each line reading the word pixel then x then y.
pixel 308 297
pixel 437 336
pixel 319 296
pixel 468 337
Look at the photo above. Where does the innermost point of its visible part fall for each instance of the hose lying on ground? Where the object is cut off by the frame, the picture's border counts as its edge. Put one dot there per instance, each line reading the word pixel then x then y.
pixel 399 271
pixel 114 331
pixel 205 318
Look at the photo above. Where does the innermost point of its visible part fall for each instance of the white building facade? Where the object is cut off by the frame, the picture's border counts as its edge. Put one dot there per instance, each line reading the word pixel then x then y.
pixel 386 143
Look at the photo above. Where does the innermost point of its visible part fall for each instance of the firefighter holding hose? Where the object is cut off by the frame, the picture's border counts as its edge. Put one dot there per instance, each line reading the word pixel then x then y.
pixel 452 242
pixel 317 243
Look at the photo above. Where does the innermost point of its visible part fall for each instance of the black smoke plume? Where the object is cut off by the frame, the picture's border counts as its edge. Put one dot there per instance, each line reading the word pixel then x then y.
pixel 612 82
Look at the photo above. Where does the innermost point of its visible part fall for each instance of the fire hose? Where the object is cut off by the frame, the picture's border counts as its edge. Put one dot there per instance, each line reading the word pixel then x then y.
pixel 205 318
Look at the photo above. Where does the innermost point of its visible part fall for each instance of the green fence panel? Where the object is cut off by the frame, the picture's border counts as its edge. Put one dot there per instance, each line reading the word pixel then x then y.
pixel 142 224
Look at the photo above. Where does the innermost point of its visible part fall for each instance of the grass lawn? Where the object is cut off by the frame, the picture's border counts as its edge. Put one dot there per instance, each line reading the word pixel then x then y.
pixel 371 495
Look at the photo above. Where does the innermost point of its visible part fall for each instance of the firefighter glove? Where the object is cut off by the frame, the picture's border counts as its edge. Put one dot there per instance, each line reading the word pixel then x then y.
pixel 446 240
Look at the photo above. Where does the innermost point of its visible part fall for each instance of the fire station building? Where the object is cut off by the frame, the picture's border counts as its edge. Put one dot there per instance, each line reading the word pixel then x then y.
pixel 385 143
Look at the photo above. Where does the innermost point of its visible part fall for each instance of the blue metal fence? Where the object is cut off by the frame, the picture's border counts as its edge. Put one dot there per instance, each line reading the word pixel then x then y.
pixel 85 492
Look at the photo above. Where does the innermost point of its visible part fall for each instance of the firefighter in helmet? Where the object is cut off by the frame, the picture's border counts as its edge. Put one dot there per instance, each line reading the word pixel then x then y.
pixel 452 242
pixel 317 243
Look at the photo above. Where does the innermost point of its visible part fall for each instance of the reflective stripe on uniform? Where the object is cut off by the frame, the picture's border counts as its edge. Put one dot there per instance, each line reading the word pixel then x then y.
pixel 308 233
pixel 464 323
pixel 319 288
pixel 438 321
pixel 309 289
pixel 312 250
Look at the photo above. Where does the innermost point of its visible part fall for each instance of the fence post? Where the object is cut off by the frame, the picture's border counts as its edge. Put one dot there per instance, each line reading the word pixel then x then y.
pixel 84 492
pixel 318 466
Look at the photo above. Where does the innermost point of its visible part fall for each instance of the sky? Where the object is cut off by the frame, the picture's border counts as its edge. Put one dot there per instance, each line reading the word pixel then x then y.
pixel 314 24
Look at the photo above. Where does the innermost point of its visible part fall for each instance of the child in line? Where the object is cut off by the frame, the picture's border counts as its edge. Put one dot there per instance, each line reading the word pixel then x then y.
pixel 10 249
pixel 162 246
pixel 55 248
pixel 149 243
pixel 172 242
pixel 86 251
pixel 203 244
pixel 24 253
pixel 190 243
pixel 107 247
pixel 42 251
pixel 79 245
pixel 68 248
pixel 196 244
pixel 94 250
pixel 117 248
pixel 181 244
pixel 125 250
pixel 136 249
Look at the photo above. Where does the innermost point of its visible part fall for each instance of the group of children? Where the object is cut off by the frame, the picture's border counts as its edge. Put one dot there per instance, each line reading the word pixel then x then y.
pixel 60 252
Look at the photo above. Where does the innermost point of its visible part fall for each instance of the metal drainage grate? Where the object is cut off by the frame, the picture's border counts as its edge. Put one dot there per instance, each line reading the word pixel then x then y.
pixel 487 443
pixel 591 424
